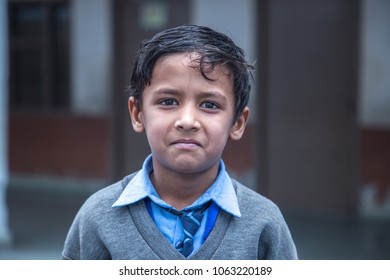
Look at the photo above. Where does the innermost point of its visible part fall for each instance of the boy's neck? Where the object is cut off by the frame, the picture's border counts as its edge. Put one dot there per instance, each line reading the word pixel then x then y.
pixel 181 189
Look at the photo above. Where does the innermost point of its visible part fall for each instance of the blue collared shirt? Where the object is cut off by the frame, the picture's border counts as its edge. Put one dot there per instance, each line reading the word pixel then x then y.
pixel 221 192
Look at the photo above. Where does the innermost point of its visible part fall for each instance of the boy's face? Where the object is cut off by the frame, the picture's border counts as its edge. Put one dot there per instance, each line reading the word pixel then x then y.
pixel 187 118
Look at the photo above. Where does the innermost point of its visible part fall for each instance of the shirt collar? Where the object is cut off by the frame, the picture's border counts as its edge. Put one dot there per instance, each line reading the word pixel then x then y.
pixel 221 191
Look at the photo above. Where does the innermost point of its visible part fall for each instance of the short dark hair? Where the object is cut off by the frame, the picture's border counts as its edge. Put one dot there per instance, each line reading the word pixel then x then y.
pixel 214 48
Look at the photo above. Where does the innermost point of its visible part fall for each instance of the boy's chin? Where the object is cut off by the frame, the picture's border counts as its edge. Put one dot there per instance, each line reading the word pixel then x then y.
pixel 190 163
pixel 189 167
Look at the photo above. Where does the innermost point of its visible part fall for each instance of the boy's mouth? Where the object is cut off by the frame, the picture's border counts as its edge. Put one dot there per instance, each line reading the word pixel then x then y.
pixel 186 144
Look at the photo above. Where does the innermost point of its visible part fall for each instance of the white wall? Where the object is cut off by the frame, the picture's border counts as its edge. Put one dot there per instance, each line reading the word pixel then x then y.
pixel 232 17
pixel 5 236
pixel 375 63
pixel 91 56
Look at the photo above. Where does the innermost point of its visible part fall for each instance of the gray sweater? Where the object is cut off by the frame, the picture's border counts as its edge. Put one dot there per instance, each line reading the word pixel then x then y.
pixel 129 233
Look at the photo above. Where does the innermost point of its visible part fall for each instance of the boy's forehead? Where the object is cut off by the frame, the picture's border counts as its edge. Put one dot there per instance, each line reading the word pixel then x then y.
pixel 196 62
pixel 187 58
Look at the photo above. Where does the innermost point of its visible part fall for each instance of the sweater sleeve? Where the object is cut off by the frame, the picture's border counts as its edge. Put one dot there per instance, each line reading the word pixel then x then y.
pixel 90 230
pixel 83 241
pixel 264 220
pixel 276 242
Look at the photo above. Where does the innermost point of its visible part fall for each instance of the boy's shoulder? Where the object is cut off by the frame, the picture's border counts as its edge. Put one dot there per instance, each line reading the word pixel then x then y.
pixel 248 195
pixel 104 198
pixel 254 204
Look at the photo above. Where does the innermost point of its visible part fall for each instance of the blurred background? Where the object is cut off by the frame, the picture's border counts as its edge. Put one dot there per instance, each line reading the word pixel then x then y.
pixel 318 143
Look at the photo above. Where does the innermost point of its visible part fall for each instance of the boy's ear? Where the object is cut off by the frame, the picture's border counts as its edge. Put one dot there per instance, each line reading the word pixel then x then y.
pixel 135 115
pixel 238 128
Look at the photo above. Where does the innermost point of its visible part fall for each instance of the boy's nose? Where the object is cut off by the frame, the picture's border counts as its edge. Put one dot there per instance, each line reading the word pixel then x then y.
pixel 187 120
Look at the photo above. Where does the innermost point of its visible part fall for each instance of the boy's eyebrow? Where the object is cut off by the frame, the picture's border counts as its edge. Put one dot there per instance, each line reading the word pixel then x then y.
pixel 166 91
pixel 213 95
pixel 204 94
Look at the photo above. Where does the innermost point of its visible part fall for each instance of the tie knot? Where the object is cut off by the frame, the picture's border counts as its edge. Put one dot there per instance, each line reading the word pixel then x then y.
pixel 201 209
pixel 191 220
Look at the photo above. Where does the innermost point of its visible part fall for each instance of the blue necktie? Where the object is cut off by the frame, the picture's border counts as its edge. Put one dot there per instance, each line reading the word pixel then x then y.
pixel 191 220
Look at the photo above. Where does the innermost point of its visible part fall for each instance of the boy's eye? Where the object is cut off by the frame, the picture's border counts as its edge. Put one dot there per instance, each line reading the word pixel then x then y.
pixel 209 105
pixel 168 102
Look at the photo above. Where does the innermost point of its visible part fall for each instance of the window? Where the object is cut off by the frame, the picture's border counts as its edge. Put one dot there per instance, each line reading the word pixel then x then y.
pixel 39 55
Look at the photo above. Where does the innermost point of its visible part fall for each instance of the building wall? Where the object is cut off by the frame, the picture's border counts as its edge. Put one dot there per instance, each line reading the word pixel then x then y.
pixel 72 143
pixel 375 64
pixel 59 146
pixel 310 69
pixel 234 18
pixel 91 41
pixel 374 115
pixel 79 144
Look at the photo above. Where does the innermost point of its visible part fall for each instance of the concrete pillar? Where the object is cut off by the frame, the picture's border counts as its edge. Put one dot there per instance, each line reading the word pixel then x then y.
pixel 5 236
pixel 308 83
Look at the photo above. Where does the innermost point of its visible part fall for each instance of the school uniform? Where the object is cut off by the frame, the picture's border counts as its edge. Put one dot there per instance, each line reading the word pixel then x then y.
pixel 128 220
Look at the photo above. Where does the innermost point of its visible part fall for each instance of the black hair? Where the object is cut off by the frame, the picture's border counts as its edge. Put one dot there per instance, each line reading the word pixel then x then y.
pixel 214 48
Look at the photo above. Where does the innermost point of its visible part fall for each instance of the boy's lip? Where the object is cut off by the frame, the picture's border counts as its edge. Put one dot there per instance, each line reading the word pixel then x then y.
pixel 186 141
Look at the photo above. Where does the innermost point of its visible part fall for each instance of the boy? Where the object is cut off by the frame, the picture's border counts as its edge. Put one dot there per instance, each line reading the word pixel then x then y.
pixel 188 92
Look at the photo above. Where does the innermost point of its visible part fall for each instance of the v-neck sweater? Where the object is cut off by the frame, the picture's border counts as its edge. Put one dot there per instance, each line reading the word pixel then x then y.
pixel 129 233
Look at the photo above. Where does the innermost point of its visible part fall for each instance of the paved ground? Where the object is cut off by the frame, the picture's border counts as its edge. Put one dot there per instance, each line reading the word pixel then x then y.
pixel 39 223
